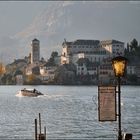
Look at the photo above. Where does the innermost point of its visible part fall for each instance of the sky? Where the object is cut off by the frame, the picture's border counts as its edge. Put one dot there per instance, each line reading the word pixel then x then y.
pixel 16 15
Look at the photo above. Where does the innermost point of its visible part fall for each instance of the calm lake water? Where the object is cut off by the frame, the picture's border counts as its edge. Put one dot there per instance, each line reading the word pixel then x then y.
pixel 68 112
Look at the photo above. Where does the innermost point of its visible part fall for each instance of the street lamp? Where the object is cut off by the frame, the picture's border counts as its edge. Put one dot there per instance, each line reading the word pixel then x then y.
pixel 119 66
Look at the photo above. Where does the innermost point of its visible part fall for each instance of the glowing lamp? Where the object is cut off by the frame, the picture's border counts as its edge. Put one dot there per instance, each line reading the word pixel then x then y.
pixel 119 66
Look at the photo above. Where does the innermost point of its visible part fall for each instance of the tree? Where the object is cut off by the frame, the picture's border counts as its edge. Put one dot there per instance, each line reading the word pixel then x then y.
pixel 132 79
pixel 133 45
pixel 3 79
pixel 7 79
pixel 132 52
pixel 128 47
pixel 2 69
pixel 32 80
pixel 127 51
pixel 64 74
pixel 54 54
pixel 51 61
pixel 42 59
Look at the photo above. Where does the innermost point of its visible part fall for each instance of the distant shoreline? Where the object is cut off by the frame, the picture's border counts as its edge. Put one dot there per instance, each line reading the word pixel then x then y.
pixel 68 85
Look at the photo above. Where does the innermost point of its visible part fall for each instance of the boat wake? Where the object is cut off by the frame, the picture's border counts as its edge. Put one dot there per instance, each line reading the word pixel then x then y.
pixel 19 95
pixel 45 96
pixel 52 96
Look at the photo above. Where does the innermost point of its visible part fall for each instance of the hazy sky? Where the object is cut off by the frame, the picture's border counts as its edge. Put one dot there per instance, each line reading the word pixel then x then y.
pixel 16 15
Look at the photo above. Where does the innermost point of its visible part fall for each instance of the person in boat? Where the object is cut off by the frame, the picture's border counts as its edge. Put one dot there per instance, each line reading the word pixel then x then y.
pixel 34 90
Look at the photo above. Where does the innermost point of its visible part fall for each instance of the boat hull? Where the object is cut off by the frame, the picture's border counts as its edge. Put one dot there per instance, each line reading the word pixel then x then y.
pixel 29 93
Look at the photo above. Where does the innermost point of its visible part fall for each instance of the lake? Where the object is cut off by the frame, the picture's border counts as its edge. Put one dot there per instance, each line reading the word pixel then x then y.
pixel 68 112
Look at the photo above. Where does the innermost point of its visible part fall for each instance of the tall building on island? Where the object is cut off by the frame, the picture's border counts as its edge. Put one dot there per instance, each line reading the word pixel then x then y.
pixel 35 51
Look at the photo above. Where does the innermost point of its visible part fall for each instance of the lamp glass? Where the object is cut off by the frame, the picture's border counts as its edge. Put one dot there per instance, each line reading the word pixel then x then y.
pixel 119 67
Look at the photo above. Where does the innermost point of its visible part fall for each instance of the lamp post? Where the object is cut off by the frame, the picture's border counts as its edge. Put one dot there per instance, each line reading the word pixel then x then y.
pixel 119 66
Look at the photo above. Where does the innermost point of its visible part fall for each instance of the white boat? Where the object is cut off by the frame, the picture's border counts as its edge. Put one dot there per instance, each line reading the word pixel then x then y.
pixel 29 92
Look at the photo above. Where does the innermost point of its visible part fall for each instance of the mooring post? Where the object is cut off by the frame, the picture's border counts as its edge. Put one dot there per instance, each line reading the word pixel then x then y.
pixel 39 136
pixel 35 129
pixel 45 132
pixel 40 122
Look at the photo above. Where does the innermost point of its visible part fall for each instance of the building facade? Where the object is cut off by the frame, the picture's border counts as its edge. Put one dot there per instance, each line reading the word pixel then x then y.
pixel 47 73
pixel 19 79
pixel 94 50
pixel 77 47
pixel 114 47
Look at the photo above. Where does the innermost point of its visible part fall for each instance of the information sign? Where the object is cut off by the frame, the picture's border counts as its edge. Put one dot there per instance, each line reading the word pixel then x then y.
pixel 107 103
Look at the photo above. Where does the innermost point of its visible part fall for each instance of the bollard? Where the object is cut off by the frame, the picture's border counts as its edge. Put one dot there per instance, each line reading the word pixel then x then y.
pixel 128 136
pixel 40 122
pixel 45 132
pixel 35 129
pixel 41 137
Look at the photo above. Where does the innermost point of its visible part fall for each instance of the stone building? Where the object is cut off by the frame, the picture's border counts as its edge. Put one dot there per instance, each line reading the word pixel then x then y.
pixel 94 50
pixel 35 51
pixel 114 47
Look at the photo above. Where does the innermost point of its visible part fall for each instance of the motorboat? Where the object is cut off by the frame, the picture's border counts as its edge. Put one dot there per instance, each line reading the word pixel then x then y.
pixel 29 92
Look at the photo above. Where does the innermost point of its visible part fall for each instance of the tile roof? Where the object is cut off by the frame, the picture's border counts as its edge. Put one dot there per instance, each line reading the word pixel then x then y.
pixel 110 42
pixel 82 42
pixel 35 39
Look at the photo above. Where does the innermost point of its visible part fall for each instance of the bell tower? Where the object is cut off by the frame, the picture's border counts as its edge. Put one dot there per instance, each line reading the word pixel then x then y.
pixel 35 51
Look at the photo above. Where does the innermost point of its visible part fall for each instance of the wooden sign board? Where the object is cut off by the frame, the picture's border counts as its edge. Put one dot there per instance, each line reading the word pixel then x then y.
pixel 107 103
